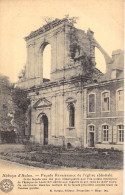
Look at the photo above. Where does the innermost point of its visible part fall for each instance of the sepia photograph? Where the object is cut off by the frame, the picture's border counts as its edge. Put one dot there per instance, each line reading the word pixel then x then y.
pixel 61 97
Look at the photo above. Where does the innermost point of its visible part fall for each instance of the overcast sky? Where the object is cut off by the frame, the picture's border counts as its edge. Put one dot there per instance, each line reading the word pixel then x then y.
pixel 19 17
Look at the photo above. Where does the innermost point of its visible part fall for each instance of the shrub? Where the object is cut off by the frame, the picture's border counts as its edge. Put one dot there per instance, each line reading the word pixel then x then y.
pixel 8 136
pixel 33 158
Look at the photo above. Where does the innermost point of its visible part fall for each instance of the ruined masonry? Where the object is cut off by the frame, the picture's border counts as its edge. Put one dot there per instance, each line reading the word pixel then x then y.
pixel 79 105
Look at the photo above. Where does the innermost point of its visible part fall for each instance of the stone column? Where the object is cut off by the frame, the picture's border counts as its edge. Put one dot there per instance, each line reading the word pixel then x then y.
pixel 27 65
pixel 78 115
pixel 67 46
pixel 53 133
pixel 40 65
pixel 84 116
pixel 61 116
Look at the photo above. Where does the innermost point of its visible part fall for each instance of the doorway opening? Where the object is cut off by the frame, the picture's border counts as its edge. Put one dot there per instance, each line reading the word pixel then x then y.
pixel 91 136
pixel 44 129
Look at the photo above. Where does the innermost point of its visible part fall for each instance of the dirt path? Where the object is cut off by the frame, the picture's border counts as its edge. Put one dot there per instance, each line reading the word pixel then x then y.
pixel 11 147
pixel 13 166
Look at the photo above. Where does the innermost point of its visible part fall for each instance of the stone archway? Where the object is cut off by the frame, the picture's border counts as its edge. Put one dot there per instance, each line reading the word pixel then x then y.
pixel 107 58
pixel 44 129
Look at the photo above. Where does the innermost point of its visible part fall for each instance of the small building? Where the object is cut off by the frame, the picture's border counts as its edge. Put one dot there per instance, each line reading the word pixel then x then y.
pixel 78 105
pixel 105 108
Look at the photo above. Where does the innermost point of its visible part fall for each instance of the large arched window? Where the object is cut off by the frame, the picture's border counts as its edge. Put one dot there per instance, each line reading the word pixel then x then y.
pixel 46 62
pixel 71 115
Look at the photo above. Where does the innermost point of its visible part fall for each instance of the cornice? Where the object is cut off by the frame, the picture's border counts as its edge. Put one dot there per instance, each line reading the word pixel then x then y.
pixel 80 81
pixel 47 85
pixel 103 83
pixel 45 28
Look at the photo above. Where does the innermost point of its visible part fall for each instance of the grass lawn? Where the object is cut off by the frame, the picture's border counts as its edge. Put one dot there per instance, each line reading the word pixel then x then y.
pixel 41 156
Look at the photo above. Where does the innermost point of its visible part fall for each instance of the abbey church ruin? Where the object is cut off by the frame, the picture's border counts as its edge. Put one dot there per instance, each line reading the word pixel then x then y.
pixel 78 105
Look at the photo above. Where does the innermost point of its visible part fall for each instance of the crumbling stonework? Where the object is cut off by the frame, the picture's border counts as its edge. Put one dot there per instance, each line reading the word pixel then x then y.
pixel 68 46
pixel 59 107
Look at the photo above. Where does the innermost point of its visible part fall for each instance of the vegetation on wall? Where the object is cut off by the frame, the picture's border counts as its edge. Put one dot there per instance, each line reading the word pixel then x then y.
pixel 77 53
pixel 87 65
pixel 71 20
pixel 74 45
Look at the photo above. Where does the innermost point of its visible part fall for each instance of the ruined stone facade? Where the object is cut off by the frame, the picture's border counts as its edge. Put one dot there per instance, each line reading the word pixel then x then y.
pixel 63 111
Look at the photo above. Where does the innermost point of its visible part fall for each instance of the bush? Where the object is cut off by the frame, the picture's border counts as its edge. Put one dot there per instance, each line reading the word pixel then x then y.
pixel 33 158
pixel 8 136
pixel 30 146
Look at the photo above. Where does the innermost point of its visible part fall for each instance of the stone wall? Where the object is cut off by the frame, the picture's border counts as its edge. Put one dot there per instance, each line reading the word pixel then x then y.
pixel 67 43
pixel 57 113
pixel 72 70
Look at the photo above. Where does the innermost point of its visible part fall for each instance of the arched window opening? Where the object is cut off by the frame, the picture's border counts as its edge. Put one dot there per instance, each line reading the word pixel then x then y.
pixel 44 128
pixel 46 63
pixel 69 145
pixel 71 115
pixel 92 102
pixel 105 101
pixel 100 61
pixel 91 128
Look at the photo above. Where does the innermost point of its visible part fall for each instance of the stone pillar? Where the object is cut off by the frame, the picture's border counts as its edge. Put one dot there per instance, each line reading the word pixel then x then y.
pixel 40 65
pixel 84 117
pixel 53 116
pixel 28 122
pixel 78 114
pixel 35 126
pixel 67 46
pixel 66 118
pixel 59 115
pixel 27 66
pixel 54 55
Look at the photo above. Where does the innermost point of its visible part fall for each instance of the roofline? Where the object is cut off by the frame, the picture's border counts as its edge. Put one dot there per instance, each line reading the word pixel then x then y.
pixel 102 83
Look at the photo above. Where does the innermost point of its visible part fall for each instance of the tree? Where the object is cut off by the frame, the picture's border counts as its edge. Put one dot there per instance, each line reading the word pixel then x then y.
pixel 6 104
pixel 21 103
